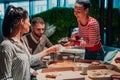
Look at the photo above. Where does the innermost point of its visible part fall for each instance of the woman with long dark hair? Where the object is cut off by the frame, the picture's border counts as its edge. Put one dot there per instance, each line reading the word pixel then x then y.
pixel 15 59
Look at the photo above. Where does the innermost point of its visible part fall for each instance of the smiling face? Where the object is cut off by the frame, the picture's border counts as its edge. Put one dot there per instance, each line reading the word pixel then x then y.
pixel 80 11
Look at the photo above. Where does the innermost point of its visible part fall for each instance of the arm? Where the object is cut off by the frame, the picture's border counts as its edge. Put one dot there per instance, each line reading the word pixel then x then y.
pixel 5 63
pixel 66 42
pixel 33 72
pixel 93 35
pixel 48 51
pixel 37 58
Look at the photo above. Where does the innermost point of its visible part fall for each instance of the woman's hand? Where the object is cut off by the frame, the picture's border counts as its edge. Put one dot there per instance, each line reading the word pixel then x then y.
pixel 53 49
pixel 83 43
pixel 35 73
pixel 68 44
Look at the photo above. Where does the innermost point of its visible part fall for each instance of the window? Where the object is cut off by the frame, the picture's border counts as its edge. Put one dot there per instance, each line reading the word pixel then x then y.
pixel 40 6
pixel 24 5
pixel 1 10
pixel 70 3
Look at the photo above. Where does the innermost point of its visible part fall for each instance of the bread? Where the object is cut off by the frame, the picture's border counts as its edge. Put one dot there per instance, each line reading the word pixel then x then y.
pixel 50 76
pixel 95 75
pixel 63 64
pixel 95 63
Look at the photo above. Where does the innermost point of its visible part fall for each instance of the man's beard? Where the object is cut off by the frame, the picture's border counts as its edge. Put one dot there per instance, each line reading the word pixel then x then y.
pixel 38 36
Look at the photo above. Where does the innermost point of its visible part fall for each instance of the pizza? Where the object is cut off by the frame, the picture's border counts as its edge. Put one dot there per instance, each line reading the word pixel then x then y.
pixel 63 63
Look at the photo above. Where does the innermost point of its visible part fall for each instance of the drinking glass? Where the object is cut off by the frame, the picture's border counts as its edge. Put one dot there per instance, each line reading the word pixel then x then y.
pixel 84 69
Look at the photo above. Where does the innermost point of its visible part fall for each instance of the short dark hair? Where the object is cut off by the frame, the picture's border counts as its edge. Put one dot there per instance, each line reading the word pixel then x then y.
pixel 85 3
pixel 37 20
pixel 12 16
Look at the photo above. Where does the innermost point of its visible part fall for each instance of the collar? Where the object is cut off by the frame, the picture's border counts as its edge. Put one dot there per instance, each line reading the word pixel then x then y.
pixel 35 39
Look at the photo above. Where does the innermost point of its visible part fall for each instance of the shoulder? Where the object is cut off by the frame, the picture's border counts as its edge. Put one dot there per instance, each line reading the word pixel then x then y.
pixel 44 36
pixel 6 49
pixel 92 20
pixel 6 45
pixel 6 42
pixel 26 35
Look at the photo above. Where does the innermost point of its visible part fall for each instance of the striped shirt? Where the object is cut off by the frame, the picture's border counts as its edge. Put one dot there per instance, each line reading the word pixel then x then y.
pixel 15 61
pixel 90 32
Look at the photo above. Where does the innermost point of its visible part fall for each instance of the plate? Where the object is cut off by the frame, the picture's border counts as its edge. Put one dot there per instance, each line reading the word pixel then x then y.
pixel 74 51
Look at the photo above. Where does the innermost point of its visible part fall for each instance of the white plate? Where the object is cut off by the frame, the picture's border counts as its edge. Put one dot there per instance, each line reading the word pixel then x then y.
pixel 74 51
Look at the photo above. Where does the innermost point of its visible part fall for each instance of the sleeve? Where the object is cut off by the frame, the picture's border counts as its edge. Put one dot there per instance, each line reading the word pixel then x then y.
pixel 5 64
pixel 35 59
pixel 49 44
pixel 31 70
pixel 94 35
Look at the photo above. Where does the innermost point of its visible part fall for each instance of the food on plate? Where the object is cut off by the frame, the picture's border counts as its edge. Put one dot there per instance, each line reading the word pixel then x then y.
pixel 95 75
pixel 64 63
pixel 95 63
pixel 50 76
pixel 98 73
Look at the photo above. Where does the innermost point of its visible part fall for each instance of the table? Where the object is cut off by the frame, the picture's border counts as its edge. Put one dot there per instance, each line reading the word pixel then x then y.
pixel 98 74
pixel 101 72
